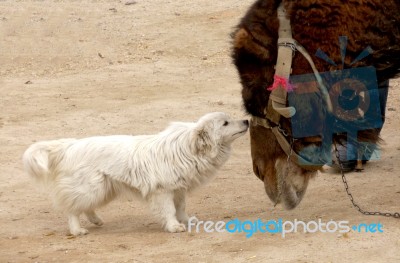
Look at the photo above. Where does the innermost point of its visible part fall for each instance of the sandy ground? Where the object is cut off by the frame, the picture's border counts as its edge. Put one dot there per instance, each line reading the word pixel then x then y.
pixel 83 68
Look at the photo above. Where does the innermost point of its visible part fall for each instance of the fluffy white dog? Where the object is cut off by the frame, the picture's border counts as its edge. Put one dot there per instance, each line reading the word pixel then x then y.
pixel 84 174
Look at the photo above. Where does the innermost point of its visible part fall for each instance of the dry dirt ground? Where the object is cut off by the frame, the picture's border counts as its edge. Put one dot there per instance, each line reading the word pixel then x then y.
pixel 83 68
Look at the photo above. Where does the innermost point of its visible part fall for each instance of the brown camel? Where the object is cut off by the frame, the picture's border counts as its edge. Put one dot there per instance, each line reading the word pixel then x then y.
pixel 316 25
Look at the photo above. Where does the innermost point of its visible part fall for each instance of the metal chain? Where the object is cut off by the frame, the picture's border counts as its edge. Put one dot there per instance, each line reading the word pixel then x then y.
pixel 394 215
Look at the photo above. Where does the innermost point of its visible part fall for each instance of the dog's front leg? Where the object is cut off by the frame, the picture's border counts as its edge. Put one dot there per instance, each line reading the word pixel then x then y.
pixel 162 205
pixel 180 206
pixel 74 225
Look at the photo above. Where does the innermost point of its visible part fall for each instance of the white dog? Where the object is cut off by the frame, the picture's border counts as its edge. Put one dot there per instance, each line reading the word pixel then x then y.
pixel 84 174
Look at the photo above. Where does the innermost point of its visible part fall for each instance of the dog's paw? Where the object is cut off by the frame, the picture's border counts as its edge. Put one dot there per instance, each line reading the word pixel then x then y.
pixel 176 228
pixel 94 218
pixel 79 232
pixel 97 221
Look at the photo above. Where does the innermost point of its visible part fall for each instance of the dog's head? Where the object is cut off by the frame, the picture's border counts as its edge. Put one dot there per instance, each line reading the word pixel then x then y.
pixel 214 130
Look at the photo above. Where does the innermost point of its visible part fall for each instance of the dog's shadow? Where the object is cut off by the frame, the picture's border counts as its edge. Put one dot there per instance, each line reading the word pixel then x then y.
pixel 125 225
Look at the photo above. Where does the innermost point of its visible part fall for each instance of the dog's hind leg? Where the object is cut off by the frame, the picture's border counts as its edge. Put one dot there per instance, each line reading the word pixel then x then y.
pixel 75 226
pixel 94 218
pixel 162 205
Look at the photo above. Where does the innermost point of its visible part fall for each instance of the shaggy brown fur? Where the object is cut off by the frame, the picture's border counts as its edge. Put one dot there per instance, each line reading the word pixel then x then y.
pixel 315 24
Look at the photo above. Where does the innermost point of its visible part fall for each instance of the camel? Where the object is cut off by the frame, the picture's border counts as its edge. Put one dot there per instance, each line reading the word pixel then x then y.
pixel 330 37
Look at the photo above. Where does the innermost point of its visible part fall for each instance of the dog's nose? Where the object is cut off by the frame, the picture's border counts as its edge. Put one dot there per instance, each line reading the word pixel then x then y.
pixel 246 122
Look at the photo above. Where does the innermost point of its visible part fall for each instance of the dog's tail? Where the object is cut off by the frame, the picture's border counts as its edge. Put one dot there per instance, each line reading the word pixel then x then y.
pixel 41 157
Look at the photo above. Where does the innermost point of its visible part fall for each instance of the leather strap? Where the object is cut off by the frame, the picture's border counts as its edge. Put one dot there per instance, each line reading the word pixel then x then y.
pixel 283 67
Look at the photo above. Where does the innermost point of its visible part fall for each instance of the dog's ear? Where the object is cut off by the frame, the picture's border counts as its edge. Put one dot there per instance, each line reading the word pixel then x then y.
pixel 203 142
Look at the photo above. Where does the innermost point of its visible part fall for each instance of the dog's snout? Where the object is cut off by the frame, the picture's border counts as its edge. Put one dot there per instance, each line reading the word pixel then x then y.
pixel 246 122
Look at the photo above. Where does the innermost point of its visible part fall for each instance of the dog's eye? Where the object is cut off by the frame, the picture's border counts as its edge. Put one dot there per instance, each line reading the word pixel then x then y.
pixel 226 123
